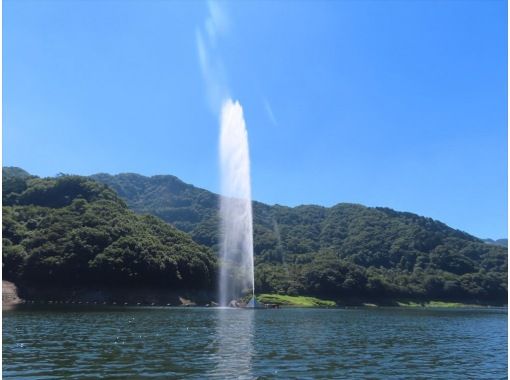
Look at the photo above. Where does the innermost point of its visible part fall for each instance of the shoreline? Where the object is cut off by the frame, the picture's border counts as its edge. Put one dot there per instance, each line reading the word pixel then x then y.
pixel 14 295
pixel 49 305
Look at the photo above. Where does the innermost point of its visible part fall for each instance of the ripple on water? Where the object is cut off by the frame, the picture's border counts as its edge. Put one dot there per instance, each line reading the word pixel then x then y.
pixel 286 343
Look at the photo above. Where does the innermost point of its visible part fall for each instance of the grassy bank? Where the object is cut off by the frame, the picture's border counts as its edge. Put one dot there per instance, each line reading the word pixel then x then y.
pixel 300 301
pixel 306 301
pixel 435 304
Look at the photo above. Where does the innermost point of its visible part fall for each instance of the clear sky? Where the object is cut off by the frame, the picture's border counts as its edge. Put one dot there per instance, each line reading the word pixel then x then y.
pixel 400 104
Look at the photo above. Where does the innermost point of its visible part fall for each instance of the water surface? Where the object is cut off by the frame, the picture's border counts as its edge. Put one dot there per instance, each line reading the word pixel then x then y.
pixel 379 343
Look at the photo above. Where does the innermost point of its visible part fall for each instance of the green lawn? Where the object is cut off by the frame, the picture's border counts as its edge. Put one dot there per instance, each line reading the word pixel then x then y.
pixel 433 304
pixel 304 301
pixel 300 301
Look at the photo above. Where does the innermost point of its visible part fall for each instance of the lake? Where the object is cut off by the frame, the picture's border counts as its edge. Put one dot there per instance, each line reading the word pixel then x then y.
pixel 152 342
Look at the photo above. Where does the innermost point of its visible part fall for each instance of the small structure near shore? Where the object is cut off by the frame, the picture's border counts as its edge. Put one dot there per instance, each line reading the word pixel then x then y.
pixel 253 304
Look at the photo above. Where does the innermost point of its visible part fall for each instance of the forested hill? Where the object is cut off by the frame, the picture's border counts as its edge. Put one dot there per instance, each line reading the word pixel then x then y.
pixel 342 251
pixel 72 231
pixel 351 228
pixel 187 207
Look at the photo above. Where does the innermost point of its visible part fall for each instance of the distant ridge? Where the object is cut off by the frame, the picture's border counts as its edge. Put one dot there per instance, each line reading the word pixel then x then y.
pixel 500 242
pixel 189 207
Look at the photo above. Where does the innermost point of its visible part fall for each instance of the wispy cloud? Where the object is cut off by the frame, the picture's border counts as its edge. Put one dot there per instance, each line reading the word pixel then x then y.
pixel 217 22
pixel 215 25
pixel 269 112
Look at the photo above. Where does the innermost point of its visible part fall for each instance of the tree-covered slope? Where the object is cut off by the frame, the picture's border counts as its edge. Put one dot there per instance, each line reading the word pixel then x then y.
pixel 73 231
pixel 344 250
pixel 185 206
pixel 14 181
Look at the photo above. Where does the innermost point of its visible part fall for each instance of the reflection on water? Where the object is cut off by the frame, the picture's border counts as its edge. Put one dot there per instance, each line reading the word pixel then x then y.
pixel 199 343
pixel 234 337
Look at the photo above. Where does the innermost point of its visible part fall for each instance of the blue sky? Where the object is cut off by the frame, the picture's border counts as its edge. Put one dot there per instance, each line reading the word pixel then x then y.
pixel 399 104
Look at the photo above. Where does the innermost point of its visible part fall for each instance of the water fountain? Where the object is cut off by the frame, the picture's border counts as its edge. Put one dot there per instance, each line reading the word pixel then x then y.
pixel 236 228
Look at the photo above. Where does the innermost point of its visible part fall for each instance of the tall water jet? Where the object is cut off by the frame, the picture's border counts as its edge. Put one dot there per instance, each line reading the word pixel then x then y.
pixel 236 244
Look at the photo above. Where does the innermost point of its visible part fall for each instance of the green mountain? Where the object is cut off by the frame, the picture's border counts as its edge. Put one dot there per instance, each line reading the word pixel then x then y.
pixel 186 207
pixel 72 231
pixel 340 251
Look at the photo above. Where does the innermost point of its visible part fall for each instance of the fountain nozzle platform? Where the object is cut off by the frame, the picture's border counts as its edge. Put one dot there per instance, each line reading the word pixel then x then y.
pixel 253 304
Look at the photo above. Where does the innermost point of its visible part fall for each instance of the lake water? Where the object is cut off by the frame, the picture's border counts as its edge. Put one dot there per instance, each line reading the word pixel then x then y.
pixel 198 343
